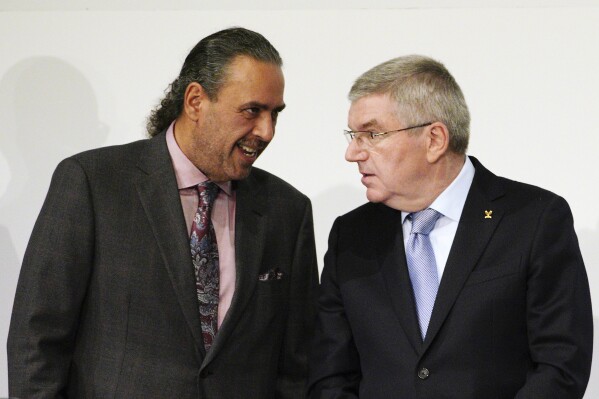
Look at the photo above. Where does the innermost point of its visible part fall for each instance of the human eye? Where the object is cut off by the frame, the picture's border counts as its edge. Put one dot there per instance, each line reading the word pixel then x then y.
pixel 373 136
pixel 251 112
pixel 364 135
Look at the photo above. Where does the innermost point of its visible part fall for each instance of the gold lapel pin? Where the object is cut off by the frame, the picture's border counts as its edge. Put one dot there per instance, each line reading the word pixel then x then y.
pixel 488 214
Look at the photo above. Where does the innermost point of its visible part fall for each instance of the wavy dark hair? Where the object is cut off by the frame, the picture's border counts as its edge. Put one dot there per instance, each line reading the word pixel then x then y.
pixel 207 65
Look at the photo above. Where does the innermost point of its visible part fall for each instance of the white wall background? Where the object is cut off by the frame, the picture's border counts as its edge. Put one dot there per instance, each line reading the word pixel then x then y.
pixel 74 77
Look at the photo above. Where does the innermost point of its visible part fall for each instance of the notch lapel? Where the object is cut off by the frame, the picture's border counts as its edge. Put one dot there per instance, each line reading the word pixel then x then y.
pixel 472 237
pixel 159 196
pixel 250 230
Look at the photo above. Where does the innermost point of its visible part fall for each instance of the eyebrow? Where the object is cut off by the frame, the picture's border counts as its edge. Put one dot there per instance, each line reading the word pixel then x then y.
pixel 367 125
pixel 263 106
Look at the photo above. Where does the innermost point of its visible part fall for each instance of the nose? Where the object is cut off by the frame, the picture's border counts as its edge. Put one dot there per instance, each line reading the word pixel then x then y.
pixel 265 127
pixel 355 152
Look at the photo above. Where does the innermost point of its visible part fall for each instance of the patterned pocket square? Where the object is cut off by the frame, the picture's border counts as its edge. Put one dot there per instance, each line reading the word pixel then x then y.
pixel 272 274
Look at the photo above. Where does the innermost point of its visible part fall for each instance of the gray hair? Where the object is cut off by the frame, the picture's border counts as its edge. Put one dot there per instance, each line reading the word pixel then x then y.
pixel 207 65
pixel 424 91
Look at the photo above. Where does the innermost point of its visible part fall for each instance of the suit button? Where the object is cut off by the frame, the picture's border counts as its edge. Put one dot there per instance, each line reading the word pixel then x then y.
pixel 423 373
pixel 205 373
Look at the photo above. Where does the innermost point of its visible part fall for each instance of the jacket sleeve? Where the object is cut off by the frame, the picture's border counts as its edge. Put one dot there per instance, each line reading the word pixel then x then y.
pixel 559 315
pixel 334 364
pixel 52 284
pixel 293 365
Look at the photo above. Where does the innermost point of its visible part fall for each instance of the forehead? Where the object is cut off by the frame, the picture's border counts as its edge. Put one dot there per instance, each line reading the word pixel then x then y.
pixel 248 79
pixel 374 110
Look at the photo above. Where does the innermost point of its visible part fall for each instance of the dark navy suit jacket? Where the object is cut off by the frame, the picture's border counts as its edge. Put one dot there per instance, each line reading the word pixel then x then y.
pixel 512 318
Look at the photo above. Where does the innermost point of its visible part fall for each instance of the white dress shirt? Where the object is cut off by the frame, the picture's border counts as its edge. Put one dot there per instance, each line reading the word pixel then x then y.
pixel 450 204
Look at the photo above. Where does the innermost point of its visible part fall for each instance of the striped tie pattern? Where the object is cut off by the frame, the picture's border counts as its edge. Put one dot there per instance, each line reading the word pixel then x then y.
pixel 422 265
pixel 204 255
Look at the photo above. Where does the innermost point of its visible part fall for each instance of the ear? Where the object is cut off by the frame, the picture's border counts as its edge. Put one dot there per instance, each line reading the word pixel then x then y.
pixel 437 141
pixel 193 99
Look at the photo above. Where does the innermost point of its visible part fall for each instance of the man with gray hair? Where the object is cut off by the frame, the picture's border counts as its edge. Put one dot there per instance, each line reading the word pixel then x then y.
pixel 169 267
pixel 451 282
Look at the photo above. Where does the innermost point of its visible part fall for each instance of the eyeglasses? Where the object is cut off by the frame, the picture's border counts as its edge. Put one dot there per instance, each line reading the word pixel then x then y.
pixel 371 138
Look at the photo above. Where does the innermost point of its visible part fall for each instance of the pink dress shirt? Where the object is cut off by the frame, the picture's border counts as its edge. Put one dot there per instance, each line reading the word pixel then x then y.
pixel 223 217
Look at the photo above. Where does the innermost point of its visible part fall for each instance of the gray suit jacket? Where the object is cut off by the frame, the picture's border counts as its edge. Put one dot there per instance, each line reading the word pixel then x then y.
pixel 106 304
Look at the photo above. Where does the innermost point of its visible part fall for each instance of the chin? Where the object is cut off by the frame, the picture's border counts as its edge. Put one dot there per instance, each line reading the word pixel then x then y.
pixel 374 196
pixel 241 174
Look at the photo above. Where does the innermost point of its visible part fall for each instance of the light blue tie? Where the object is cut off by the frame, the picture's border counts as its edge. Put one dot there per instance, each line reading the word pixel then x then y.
pixel 422 266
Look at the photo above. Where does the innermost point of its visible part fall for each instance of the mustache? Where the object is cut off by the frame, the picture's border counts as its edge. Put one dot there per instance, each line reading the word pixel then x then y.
pixel 255 143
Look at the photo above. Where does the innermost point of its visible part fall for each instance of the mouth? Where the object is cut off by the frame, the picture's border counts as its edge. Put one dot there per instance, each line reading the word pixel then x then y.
pixel 249 150
pixel 366 178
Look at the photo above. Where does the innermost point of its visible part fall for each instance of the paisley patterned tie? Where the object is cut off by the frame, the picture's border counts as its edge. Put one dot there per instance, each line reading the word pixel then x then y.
pixel 204 254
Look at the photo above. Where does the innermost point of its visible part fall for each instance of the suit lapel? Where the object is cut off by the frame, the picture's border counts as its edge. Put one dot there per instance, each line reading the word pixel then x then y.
pixel 472 237
pixel 159 196
pixel 250 228
pixel 395 274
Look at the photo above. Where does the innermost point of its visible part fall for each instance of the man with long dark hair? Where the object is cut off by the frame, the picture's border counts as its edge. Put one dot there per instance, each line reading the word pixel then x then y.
pixel 170 267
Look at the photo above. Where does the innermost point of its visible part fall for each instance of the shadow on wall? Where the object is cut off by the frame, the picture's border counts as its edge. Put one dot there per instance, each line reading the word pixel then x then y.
pixel 48 112
pixel 588 240
pixel 592 391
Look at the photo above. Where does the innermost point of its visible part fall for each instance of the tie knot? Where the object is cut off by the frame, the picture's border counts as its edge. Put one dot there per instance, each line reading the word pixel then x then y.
pixel 424 221
pixel 208 191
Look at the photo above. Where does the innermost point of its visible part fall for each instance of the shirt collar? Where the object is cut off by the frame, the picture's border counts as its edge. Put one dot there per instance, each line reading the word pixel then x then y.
pixel 185 171
pixel 450 202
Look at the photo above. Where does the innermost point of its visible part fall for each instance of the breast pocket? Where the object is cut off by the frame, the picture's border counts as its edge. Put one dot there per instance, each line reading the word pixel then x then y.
pixel 494 272
pixel 270 287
